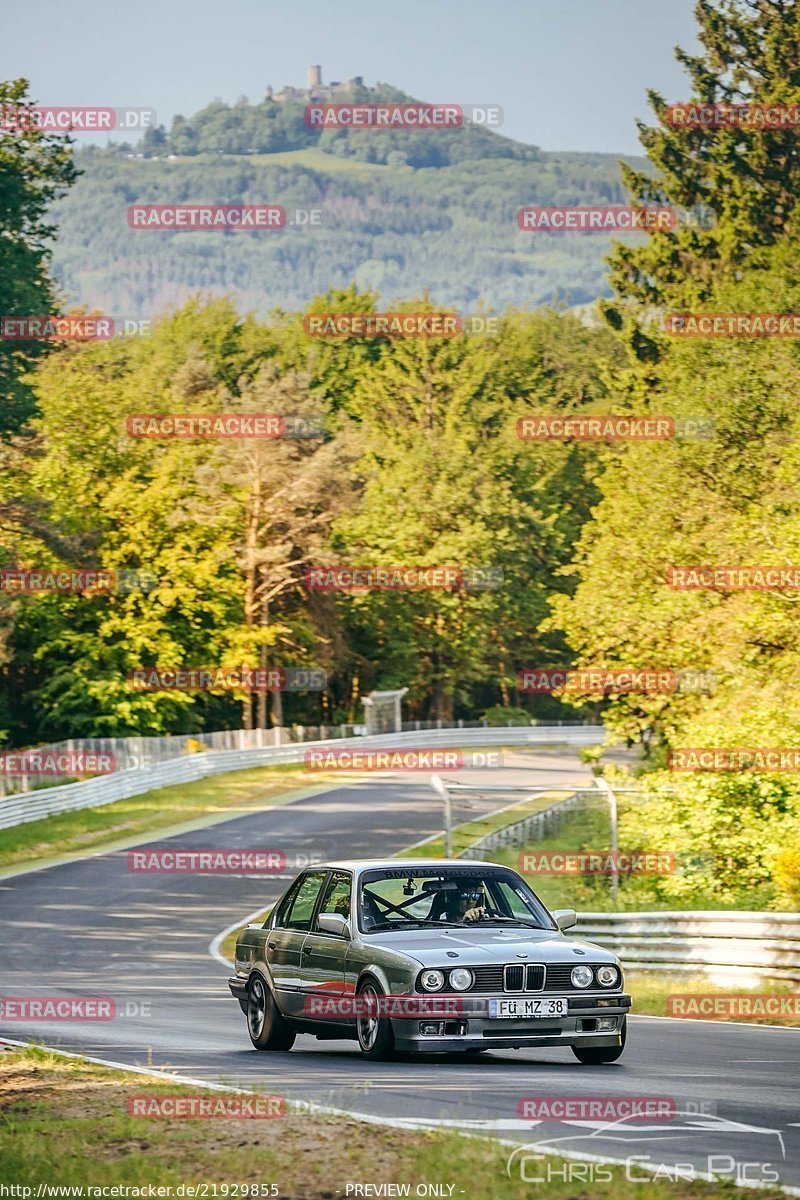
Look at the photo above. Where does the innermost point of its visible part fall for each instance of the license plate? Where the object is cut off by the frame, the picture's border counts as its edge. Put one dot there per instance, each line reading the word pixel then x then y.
pixel 527 1006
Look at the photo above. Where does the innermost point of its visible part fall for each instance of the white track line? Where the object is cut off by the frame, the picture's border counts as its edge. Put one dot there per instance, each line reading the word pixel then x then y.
pixel 215 943
pixel 711 1021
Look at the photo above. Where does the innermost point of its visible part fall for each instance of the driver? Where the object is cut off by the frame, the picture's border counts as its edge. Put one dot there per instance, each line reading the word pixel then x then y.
pixel 465 903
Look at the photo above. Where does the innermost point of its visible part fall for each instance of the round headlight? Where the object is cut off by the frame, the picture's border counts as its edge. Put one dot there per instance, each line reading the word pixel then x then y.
pixel 607 976
pixel 582 976
pixel 461 979
pixel 432 981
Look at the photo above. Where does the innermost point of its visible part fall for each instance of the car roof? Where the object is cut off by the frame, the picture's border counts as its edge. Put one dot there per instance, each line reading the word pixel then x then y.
pixel 394 864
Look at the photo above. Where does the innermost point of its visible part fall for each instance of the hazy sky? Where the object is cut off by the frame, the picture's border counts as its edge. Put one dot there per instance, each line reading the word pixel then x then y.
pixel 569 74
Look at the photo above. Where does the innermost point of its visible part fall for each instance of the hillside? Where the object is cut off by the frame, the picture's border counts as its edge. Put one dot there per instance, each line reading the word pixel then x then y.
pixel 399 212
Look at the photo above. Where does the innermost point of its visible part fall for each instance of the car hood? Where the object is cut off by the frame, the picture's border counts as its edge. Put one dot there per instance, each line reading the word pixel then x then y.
pixel 474 947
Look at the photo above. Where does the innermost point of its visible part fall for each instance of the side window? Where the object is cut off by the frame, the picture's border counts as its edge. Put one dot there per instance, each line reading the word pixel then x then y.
pixel 285 905
pixel 299 915
pixel 336 898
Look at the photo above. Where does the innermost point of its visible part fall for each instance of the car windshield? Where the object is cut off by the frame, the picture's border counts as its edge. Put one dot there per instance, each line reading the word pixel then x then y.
pixel 425 897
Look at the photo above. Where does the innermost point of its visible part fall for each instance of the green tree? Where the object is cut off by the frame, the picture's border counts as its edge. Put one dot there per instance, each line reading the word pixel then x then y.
pixel 447 481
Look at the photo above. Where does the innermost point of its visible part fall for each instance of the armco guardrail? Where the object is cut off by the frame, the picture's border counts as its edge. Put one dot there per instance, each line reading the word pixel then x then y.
pixel 539 824
pixel 31 806
pixel 738 945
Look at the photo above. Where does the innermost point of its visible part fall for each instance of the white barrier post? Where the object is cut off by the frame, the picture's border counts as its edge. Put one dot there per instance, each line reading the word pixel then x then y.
pixel 441 790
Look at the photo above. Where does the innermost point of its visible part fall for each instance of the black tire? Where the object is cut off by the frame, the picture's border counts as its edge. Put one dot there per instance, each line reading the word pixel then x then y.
pixel 267 1028
pixel 595 1056
pixel 375 1036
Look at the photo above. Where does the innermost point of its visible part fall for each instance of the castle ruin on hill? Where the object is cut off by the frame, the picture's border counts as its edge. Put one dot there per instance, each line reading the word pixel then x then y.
pixel 317 90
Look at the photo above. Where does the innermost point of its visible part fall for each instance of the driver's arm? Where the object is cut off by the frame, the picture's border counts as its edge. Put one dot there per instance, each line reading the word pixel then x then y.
pixel 474 914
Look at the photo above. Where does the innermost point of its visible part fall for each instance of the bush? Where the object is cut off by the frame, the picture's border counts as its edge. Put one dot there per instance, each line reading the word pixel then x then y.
pixel 498 715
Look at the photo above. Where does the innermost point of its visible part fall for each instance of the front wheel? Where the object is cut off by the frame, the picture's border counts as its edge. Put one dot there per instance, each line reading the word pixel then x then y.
pixel 595 1056
pixel 267 1028
pixel 375 1036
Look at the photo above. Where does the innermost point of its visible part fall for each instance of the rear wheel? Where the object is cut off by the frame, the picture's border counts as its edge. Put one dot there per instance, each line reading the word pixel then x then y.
pixel 267 1028
pixel 594 1056
pixel 375 1036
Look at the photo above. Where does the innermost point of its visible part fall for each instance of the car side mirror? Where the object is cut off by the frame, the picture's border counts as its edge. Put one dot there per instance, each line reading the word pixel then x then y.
pixel 334 923
pixel 565 918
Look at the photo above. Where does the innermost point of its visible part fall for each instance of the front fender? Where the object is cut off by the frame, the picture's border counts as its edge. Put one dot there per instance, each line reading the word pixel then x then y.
pixel 377 972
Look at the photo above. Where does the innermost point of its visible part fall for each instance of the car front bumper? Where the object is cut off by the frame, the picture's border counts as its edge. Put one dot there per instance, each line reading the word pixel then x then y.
pixel 474 1029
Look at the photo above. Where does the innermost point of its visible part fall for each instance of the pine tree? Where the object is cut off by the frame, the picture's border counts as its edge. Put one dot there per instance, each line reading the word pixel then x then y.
pixel 739 184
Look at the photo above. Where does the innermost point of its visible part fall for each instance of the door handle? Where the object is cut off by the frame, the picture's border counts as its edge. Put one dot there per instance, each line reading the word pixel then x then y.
pixel 271 945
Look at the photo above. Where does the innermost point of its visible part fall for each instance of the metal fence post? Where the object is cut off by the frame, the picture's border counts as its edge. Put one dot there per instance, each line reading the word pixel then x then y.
pixel 441 789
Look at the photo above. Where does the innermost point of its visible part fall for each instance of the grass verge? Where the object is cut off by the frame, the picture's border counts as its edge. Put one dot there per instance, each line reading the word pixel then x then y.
pixel 651 990
pixel 68 1121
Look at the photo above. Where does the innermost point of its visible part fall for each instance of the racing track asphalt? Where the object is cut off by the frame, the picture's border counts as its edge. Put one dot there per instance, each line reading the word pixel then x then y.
pixel 93 927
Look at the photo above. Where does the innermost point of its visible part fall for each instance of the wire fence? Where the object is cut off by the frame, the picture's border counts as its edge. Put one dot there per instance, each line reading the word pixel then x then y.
pixel 127 753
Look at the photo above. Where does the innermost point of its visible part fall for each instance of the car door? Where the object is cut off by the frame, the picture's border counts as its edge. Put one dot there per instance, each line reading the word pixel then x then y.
pixel 323 954
pixel 285 941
